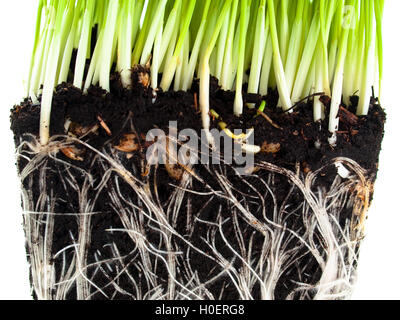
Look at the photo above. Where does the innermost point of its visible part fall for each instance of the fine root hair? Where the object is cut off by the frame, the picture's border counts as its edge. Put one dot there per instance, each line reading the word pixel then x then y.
pixel 212 234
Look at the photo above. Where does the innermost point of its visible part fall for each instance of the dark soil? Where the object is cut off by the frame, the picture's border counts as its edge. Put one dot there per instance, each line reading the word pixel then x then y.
pixel 359 138
pixel 122 110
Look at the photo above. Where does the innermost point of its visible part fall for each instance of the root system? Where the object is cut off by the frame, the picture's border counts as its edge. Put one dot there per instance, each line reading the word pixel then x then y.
pixel 101 223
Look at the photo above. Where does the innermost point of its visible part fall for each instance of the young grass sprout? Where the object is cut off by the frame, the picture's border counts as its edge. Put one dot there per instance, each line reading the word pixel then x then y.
pixel 311 46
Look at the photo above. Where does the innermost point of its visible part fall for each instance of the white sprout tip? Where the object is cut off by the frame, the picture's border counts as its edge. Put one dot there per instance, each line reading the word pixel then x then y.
pixel 342 171
pixel 332 140
pixel 252 149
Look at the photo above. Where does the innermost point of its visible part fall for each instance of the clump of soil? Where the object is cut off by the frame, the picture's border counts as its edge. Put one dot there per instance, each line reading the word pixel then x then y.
pixel 288 139
pixel 294 133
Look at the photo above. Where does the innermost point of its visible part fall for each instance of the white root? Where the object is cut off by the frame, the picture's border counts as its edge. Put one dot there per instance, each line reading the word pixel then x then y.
pixel 255 265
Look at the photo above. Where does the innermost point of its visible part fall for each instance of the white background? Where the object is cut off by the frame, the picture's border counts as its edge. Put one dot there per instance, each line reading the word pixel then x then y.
pixel 379 261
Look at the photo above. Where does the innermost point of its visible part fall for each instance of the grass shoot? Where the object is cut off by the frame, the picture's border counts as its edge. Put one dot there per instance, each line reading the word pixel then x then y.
pixel 303 48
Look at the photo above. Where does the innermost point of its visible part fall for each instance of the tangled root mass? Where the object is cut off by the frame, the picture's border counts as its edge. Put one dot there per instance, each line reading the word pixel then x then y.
pixel 114 230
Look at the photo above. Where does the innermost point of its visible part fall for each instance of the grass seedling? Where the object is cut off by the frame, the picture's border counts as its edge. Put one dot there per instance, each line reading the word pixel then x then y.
pixel 107 72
